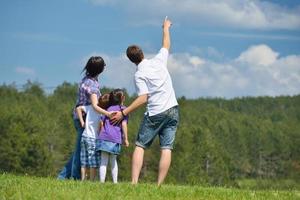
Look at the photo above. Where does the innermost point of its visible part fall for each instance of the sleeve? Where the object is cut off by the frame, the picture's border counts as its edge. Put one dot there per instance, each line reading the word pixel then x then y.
pixel 125 119
pixel 162 56
pixel 91 87
pixel 141 85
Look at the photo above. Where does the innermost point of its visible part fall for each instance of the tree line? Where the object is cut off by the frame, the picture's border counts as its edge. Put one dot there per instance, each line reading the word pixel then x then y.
pixel 218 141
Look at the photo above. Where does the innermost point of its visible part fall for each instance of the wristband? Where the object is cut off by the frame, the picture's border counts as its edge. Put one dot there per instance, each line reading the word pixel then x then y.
pixel 123 114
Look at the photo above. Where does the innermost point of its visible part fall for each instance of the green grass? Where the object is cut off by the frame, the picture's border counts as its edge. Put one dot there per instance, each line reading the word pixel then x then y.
pixel 267 184
pixel 26 187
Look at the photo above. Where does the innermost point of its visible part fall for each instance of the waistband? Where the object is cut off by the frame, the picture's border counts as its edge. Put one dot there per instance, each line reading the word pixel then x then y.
pixel 166 111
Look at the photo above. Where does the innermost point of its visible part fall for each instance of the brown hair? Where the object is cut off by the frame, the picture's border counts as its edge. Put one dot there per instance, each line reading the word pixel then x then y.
pixel 135 54
pixel 115 97
pixel 111 99
pixel 103 101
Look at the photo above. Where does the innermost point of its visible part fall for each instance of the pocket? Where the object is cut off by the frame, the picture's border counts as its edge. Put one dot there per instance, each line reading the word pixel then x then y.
pixel 149 121
pixel 174 114
pixel 173 122
pixel 155 120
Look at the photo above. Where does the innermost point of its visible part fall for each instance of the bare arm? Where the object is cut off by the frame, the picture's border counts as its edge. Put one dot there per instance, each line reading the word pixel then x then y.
pixel 166 41
pixel 79 110
pixel 124 129
pixel 94 101
pixel 100 127
pixel 139 101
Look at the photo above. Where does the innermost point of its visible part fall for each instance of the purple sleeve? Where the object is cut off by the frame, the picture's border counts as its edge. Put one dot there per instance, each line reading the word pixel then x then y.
pixel 92 88
pixel 126 119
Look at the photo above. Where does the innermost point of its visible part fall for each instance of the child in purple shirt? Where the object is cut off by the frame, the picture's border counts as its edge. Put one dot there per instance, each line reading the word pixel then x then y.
pixel 112 136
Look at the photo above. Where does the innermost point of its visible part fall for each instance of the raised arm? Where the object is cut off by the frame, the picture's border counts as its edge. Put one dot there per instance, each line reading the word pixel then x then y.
pixel 166 41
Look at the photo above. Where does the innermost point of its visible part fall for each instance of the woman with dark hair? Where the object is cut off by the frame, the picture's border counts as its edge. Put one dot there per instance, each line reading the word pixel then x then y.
pixel 88 94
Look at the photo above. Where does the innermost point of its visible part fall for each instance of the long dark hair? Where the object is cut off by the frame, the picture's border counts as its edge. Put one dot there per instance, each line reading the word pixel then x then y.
pixel 94 66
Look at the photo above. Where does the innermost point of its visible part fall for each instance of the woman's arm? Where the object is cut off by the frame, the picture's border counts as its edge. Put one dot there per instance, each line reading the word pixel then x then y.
pixel 94 101
pixel 124 129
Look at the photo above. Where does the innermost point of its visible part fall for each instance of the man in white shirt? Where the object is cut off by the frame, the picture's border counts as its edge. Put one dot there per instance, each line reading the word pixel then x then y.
pixel 154 87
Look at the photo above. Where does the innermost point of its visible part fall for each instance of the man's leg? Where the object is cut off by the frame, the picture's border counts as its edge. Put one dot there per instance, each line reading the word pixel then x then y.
pixel 137 163
pixel 164 164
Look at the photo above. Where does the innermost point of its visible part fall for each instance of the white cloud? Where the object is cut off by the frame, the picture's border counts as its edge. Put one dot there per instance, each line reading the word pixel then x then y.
pixel 258 55
pixel 25 71
pixel 253 14
pixel 258 71
pixel 196 61
pixel 269 73
pixel 251 36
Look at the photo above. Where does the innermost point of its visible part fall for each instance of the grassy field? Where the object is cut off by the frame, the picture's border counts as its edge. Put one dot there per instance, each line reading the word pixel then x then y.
pixel 26 187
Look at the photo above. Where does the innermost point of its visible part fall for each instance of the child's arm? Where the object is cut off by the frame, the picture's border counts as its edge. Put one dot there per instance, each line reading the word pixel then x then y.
pixel 100 127
pixel 79 110
pixel 124 129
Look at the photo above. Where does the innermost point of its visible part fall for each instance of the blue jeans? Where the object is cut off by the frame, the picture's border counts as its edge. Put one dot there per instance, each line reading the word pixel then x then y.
pixel 163 124
pixel 72 168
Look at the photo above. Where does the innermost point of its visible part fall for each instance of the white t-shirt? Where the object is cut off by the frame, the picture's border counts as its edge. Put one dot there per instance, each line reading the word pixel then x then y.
pixel 152 77
pixel 92 121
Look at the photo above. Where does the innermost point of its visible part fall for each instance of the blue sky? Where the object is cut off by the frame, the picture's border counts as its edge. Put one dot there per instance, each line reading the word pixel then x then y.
pixel 228 49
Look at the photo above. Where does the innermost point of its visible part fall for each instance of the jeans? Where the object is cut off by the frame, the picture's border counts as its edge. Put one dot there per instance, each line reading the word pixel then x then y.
pixel 72 167
pixel 163 124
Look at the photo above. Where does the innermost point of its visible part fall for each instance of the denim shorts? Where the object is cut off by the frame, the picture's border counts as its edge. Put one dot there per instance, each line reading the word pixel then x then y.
pixel 163 124
pixel 109 147
pixel 89 156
